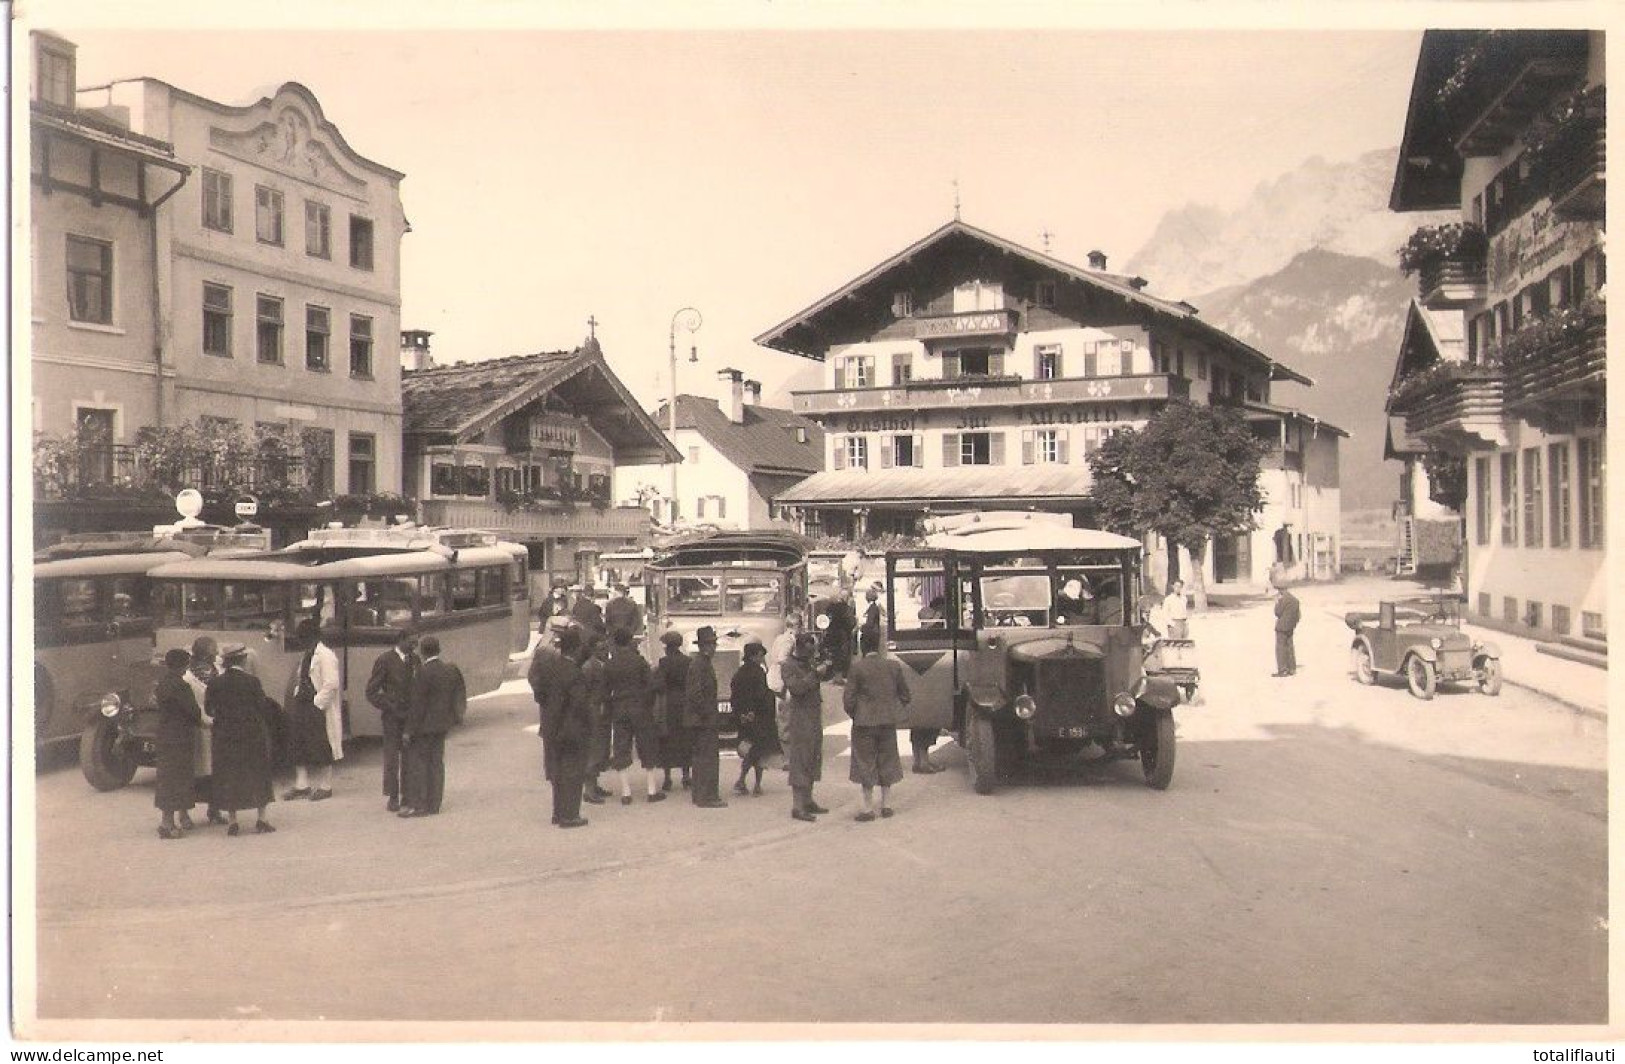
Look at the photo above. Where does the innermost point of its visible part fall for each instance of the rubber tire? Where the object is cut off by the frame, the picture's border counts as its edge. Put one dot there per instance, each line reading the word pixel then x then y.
pixel 1364 672
pixel 1489 677
pixel 981 750
pixel 1421 677
pixel 1157 756
pixel 104 767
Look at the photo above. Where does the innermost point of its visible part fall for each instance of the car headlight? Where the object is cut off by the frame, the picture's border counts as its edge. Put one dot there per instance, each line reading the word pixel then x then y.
pixel 1025 706
pixel 1123 704
pixel 1138 689
pixel 110 705
pixel 1435 642
pixel 822 622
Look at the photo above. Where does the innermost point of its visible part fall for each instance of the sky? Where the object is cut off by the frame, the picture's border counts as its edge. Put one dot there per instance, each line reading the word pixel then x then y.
pixel 559 173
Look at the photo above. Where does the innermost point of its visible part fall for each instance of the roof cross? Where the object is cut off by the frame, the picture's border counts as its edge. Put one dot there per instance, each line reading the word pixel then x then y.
pixel 592 327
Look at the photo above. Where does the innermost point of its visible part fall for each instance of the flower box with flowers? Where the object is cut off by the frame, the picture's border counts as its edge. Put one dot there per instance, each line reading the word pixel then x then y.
pixel 1557 351
pixel 1462 244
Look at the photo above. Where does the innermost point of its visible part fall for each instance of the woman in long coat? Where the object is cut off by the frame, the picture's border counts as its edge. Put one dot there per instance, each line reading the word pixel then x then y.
pixel 803 689
pixel 178 721
pixel 671 685
pixel 754 709
pixel 242 741
pixel 204 667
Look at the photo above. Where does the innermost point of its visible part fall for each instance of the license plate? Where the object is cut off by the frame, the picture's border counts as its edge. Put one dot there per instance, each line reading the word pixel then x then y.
pixel 725 706
pixel 1071 733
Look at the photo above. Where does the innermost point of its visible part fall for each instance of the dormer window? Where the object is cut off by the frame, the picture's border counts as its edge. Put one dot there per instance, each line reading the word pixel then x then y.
pixel 1046 293
pixel 54 72
pixel 902 304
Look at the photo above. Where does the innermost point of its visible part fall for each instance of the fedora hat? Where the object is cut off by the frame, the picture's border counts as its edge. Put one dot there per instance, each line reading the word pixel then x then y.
pixel 706 634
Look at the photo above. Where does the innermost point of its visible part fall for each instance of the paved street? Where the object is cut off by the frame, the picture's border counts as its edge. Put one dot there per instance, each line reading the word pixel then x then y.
pixel 1328 853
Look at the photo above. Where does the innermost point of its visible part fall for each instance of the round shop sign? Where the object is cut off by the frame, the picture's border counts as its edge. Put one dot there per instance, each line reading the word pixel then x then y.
pixel 189 503
pixel 247 506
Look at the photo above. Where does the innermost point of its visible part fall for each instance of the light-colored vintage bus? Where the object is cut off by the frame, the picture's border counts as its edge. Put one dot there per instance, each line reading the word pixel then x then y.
pixel 744 585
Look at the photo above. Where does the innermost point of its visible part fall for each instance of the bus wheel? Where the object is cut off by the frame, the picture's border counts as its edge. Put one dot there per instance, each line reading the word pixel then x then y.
pixel 1157 751
pixel 981 750
pixel 105 765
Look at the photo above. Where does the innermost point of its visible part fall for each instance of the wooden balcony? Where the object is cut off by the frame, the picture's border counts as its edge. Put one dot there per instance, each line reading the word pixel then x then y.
pixel 118 470
pixel 611 524
pixel 1456 413
pixel 1579 178
pixel 1563 385
pixel 992 392
pixel 1453 282
pixel 968 325
pixel 1505 115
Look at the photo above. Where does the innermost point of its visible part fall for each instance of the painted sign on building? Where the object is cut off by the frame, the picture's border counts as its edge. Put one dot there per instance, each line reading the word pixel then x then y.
pixel 1534 245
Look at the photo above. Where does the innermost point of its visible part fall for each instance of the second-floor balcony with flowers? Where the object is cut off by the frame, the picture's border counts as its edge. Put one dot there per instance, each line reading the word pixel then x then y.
pixel 1567 155
pixel 1556 366
pixel 1453 405
pixel 1449 262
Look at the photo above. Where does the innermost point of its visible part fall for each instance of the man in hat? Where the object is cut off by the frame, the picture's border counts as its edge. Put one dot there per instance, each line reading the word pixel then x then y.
pixel 873 612
pixel 876 698
pixel 548 678
pixel 438 700
pixel 555 605
pixel 585 612
pixel 804 724
pixel 670 709
pixel 701 711
pixel 622 612
pixel 1287 612
pixel 389 689
pixel 555 678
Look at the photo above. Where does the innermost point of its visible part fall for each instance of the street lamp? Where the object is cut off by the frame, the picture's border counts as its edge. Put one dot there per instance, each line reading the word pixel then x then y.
pixel 690 319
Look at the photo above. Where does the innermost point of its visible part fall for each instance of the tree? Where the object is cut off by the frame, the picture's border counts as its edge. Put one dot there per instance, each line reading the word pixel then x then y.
pixel 1189 475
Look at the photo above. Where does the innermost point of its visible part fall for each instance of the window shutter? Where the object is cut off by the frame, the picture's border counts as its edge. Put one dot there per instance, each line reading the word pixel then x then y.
pixel 885 452
pixel 1089 363
pixel 995 364
pixel 1038 363
pixel 995 448
pixel 699 506
pixel 919 452
pixel 950 364
pixel 840 372
pixel 1062 446
pixel 840 452
pixel 1026 446
pixel 1060 370
pixel 950 448
pixel 722 506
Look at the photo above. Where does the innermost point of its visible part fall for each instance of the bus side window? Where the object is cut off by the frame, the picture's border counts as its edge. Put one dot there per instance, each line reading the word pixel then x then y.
pixel 130 601
pixel 493 587
pixel 78 600
pixel 47 607
pixel 519 581
pixel 432 595
pixel 465 589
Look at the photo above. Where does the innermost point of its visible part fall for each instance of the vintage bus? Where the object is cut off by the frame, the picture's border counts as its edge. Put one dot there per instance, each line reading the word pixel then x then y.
pixel 93 616
pixel 363 585
pixel 744 585
pixel 1023 639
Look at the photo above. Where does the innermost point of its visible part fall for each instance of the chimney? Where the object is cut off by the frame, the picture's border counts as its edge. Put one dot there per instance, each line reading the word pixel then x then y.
pixel 1097 260
pixel 56 61
pixel 415 350
pixel 734 403
pixel 753 393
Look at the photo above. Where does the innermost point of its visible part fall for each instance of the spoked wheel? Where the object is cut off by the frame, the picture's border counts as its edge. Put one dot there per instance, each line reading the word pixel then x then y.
pixel 1157 752
pixel 1422 678
pixel 981 751
pixel 1489 676
pixel 1364 671
pixel 105 765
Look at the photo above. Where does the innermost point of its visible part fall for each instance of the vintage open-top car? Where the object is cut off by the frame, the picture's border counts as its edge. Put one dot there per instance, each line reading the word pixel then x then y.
pixel 1421 640
pixel 1023 629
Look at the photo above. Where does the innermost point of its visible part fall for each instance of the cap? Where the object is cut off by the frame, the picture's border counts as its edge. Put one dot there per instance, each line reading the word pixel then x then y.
pixel 755 649
pixel 233 650
pixel 706 634
pixel 672 639
pixel 177 659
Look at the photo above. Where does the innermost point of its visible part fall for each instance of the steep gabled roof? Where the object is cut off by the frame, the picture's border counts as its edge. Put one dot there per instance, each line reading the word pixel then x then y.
pixel 766 441
pixel 779 337
pixel 464 400
pixel 1430 336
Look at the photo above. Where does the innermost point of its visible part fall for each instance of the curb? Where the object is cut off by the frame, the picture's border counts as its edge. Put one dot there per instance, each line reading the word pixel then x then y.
pixel 1585 711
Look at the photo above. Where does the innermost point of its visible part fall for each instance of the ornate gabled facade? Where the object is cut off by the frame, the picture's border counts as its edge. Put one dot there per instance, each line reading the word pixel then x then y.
pixel 1508 127
pixel 969 372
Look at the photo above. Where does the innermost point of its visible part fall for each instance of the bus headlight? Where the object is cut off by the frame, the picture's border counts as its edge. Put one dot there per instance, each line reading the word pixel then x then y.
pixel 1123 704
pixel 822 622
pixel 1025 706
pixel 1435 642
pixel 110 705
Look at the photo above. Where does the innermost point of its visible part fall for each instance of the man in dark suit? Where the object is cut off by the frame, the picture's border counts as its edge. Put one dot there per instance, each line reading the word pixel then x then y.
pixel 439 700
pixel 622 612
pixel 389 689
pixel 561 698
pixel 1287 611
pixel 700 708
pixel 585 612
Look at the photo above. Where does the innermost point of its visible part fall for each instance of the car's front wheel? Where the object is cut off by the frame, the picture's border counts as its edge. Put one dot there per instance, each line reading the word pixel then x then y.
pixel 981 752
pixel 106 765
pixel 1364 671
pixel 1421 677
pixel 1157 751
pixel 1489 676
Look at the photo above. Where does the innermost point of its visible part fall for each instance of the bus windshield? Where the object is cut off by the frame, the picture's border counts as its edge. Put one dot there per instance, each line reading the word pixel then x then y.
pixel 690 594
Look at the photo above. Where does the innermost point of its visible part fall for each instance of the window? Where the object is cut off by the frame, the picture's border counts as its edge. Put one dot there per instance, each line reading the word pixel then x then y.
pixel 90 280
pixel 217 320
pixel 317 445
pixel 318 230
pixel 851 452
pixel 56 76
pixel 267 215
pixel 978 295
pixel 1562 619
pixel 1201 365
pixel 268 331
pixel 1533 507
pixel 973 448
pixel 1509 499
pixel 476 479
pixel 1592 626
pixel 973 362
pixel 718 506
pixel 318 324
pixel 216 201
pixel 1481 489
pixel 1179 361
pixel 693 456
pixel 902 304
pixel 1532 614
pixel 1592 461
pixel 1049 362
pixel 1557 288
pixel 360 346
pixel 902 368
pixel 363 462
pixel 1046 293
pixel 1043 446
pixel 902 451
pixel 855 371
pixel 1558 485
pixel 360 242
